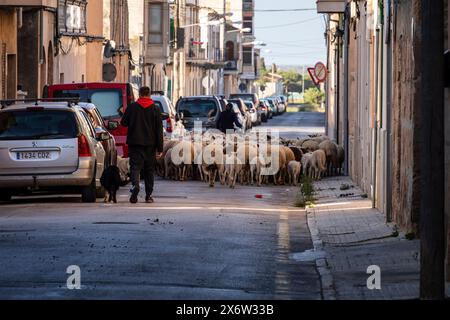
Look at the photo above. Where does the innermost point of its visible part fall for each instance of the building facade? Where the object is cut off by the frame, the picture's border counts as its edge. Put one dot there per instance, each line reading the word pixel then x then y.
pixel 8 52
pixel 374 102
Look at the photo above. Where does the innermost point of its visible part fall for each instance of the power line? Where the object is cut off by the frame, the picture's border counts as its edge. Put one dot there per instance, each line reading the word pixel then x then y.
pixel 284 10
pixel 288 24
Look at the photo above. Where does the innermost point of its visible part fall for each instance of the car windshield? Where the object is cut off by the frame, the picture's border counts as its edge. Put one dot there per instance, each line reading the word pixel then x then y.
pixel 245 97
pixel 107 101
pixel 198 108
pixel 37 125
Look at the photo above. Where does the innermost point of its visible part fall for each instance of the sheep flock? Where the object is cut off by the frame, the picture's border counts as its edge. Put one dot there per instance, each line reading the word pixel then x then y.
pixel 249 159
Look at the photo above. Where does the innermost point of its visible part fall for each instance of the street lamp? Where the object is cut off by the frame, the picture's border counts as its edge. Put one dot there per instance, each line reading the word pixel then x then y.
pixel 255 43
pixel 209 23
pixel 244 30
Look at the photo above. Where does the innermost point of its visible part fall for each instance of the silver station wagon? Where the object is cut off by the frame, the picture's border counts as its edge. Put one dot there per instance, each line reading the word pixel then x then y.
pixel 49 146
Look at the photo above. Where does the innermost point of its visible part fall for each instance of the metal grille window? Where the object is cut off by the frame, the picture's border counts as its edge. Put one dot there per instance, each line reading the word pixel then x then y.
pixel 247 56
pixel 72 16
pixel 155 24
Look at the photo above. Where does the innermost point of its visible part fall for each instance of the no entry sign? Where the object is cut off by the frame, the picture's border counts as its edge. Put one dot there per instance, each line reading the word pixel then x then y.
pixel 320 71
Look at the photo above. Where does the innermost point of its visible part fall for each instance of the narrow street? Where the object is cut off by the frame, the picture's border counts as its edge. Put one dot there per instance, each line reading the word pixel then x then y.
pixel 195 242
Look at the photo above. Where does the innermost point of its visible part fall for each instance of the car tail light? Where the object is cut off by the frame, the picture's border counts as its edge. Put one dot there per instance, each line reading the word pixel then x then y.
pixel 169 128
pixel 83 147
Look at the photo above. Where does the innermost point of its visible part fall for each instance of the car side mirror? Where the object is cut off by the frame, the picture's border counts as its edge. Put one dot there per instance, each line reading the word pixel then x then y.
pixel 113 125
pixel 101 135
pixel 179 116
pixel 164 116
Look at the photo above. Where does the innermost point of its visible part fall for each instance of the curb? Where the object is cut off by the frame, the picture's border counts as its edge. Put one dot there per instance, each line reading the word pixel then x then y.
pixel 326 277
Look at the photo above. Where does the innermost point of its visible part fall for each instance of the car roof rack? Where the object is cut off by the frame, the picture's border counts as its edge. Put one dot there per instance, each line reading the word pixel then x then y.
pixel 157 93
pixel 9 102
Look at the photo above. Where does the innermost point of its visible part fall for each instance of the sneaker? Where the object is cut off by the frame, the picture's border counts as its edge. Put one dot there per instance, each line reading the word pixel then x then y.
pixel 149 199
pixel 134 195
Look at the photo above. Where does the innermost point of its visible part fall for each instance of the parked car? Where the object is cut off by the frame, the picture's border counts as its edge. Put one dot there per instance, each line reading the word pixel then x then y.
pixel 206 109
pixel 255 116
pixel 274 106
pixel 253 97
pixel 270 108
pixel 50 145
pixel 244 111
pixel 263 111
pixel 109 143
pixel 172 127
pixel 111 99
pixel 283 101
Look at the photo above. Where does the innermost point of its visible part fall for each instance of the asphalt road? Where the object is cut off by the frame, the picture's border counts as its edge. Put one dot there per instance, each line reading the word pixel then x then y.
pixel 194 242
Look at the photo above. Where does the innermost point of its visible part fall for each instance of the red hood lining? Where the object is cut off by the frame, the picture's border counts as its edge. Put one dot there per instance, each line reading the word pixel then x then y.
pixel 145 102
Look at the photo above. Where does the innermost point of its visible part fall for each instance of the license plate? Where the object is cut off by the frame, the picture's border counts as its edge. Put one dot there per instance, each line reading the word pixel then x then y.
pixel 35 155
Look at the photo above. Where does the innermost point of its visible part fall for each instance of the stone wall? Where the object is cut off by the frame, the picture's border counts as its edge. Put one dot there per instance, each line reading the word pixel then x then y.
pixel 405 115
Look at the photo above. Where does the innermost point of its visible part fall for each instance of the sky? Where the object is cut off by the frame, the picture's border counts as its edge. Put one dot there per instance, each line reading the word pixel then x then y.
pixel 300 43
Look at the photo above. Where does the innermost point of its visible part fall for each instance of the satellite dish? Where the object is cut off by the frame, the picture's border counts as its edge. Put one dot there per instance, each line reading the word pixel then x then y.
pixel 109 72
pixel 207 82
pixel 110 48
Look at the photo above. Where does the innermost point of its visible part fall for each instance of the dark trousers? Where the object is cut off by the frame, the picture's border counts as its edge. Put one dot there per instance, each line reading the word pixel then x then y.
pixel 142 159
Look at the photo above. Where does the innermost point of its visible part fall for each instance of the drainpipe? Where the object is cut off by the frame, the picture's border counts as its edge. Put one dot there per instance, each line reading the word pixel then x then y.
pixel 388 43
pixel 375 119
pixel 346 84
pixel 337 91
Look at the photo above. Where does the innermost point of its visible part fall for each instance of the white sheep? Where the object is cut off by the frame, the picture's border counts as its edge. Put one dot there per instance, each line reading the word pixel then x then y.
pixel 294 168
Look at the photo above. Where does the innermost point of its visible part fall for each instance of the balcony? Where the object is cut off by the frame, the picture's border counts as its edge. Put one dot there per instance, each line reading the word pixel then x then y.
pixel 331 6
pixel 30 3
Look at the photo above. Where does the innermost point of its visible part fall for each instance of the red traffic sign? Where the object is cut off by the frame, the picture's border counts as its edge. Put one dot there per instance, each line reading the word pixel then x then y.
pixel 313 76
pixel 320 71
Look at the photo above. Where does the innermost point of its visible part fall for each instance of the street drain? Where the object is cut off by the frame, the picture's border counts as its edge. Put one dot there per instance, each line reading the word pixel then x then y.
pixel 308 256
pixel 126 223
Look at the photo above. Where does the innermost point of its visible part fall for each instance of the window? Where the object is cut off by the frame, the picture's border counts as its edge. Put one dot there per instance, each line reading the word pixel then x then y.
pixel 45 125
pixel 247 56
pixel 72 16
pixel 155 23
pixel 229 50
pixel 107 101
pixel 198 108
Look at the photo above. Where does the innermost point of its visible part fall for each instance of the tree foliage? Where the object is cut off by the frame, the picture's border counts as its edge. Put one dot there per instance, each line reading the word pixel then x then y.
pixel 314 97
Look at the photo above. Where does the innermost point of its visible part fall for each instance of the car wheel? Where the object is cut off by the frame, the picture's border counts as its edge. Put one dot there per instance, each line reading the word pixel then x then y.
pixel 89 193
pixel 5 196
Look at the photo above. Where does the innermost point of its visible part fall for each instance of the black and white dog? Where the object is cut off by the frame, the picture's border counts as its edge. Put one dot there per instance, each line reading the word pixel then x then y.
pixel 111 181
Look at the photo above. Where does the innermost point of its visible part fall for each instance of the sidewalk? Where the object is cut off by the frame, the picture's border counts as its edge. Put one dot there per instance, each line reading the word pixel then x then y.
pixel 353 237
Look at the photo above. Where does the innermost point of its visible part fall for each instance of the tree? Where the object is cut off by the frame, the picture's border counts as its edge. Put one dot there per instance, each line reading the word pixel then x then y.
pixel 314 97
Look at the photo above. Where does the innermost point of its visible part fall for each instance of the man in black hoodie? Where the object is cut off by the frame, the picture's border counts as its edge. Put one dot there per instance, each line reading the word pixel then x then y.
pixel 227 119
pixel 145 142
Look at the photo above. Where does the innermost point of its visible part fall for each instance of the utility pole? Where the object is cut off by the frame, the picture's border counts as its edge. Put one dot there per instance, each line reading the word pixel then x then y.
pixel 432 228
pixel 303 82
pixel 179 57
